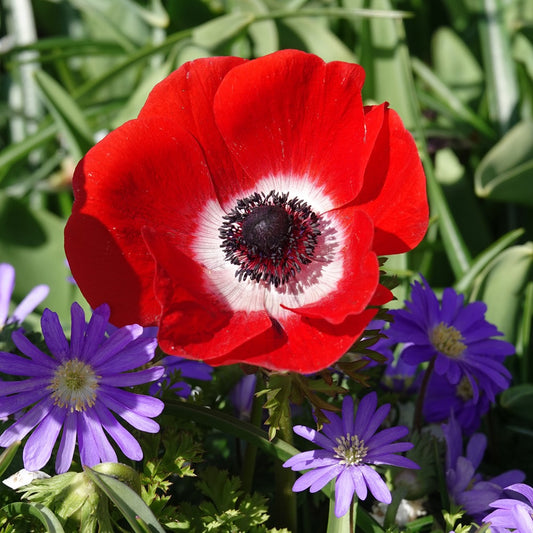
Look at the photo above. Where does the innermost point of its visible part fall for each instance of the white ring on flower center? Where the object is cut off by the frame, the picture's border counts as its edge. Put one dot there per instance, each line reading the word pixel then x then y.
pixel 74 385
pixel 316 279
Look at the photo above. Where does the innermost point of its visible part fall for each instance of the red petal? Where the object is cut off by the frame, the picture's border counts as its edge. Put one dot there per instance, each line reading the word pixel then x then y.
pixel 147 172
pixel 289 113
pixel 304 345
pixel 195 319
pixel 186 96
pixel 394 190
pixel 361 272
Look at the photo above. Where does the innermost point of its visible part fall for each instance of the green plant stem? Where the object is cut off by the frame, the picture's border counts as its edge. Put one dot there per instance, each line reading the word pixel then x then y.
pixel 284 508
pixel 418 418
pixel 250 454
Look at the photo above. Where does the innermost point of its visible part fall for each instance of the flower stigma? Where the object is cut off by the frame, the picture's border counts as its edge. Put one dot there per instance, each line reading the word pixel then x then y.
pixel 269 237
pixel 350 449
pixel 74 385
pixel 447 340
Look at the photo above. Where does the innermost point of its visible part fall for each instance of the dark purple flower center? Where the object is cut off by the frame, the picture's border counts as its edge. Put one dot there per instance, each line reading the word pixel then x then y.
pixel 464 389
pixel 269 237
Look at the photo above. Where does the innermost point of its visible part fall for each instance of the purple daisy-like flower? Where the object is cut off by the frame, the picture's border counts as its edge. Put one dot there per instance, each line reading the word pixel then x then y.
pixel 187 369
pixel 351 447
pixel 456 335
pixel 465 485
pixel 442 397
pixel 514 513
pixel 77 390
pixel 26 306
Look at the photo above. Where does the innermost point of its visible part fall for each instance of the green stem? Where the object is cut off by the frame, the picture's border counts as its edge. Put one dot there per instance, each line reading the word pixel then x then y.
pixel 250 454
pixel 418 417
pixel 284 505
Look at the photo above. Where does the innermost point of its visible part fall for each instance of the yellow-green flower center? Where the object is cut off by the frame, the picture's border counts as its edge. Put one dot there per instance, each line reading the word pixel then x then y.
pixel 350 449
pixel 74 385
pixel 464 389
pixel 448 340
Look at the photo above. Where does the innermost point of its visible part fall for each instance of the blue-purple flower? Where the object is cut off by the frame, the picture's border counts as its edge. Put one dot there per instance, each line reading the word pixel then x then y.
pixel 456 335
pixel 514 513
pixel 466 485
pixel 442 397
pixel 350 450
pixel 26 306
pixel 78 390
pixel 184 368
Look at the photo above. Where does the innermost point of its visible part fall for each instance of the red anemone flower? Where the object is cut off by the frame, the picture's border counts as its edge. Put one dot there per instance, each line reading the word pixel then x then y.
pixel 243 211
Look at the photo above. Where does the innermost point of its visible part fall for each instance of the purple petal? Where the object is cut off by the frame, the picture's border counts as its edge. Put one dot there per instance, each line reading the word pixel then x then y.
pixel 307 479
pixel 77 329
pixel 39 446
pixel 365 412
pixel 29 303
pixel 395 460
pixel 7 284
pixel 26 423
pixel 310 459
pixel 125 440
pixel 36 355
pixel 93 443
pixel 475 449
pixel 114 344
pixel 344 489
pixel 136 415
pixel 326 475
pixel 359 482
pixel 133 378
pixel 523 489
pixel 137 353
pixel 54 335
pixel 347 415
pixel 377 420
pixel 67 444
pixel 95 333
pixel 386 436
pixel 314 436
pixel 522 516
pixel 15 387
pixel 377 486
pixel 19 401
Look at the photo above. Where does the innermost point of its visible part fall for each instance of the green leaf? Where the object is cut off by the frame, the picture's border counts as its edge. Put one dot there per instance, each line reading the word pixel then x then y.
pixel 502 287
pixel 32 241
pixel 48 519
pixel 319 39
pixel 506 172
pixel 221 29
pixel 130 504
pixel 7 456
pixel 518 400
pixel 502 84
pixel 67 114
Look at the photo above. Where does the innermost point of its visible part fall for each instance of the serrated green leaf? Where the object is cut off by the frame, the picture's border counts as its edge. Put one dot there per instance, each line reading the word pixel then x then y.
pixel 67 113
pixel 506 172
pixel 127 501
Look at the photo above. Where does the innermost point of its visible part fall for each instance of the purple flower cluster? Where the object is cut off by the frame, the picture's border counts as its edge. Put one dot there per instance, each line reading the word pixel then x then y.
pixel 467 362
pixel 466 485
pixel 350 450
pixel 77 390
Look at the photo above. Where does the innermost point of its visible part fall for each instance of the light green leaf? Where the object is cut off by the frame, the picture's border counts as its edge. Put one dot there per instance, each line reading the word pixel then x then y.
pixel 130 504
pixel 67 113
pixel 506 172
pixel 221 29
pixel 264 33
pixel 48 519
pixel 502 287
pixel 319 39
pixel 7 456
